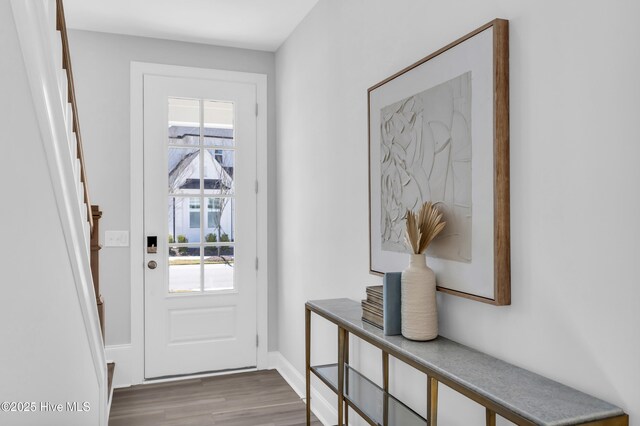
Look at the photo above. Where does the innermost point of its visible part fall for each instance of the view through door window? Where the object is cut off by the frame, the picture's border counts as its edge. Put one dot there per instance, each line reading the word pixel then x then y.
pixel 201 205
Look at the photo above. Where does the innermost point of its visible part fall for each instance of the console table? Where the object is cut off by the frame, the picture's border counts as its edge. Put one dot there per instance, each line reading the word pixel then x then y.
pixel 523 397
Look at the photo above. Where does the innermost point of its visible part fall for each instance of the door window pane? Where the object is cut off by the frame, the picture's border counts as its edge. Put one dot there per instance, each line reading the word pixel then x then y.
pixel 220 220
pixel 175 208
pixel 184 269
pixel 184 170
pixel 194 213
pixel 218 123
pixel 219 165
pixel 183 223
pixel 184 121
pixel 218 268
pixel 214 211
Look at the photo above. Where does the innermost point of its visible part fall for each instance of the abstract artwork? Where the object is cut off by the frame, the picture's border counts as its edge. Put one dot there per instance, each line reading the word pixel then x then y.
pixel 439 132
pixel 425 143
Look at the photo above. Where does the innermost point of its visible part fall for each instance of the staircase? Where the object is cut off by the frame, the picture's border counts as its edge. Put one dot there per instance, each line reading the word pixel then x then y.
pixel 66 87
pixel 41 31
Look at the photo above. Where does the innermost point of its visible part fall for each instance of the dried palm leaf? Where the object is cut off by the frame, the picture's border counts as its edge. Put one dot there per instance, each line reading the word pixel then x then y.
pixel 422 228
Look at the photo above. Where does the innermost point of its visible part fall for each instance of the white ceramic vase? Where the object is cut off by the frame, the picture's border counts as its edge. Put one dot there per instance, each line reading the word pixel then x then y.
pixel 418 300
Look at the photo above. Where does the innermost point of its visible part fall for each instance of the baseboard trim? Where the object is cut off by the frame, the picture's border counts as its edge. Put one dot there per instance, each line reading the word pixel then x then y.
pixel 122 356
pixel 324 411
pixel 110 372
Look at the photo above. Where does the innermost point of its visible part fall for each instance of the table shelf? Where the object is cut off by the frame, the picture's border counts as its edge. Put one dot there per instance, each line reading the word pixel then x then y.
pixel 368 399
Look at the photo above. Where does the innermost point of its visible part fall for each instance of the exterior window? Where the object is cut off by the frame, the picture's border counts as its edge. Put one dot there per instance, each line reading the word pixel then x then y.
pixel 213 212
pixel 194 213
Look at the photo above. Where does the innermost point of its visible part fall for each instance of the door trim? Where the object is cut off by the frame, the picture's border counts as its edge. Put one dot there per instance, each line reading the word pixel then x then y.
pixel 138 70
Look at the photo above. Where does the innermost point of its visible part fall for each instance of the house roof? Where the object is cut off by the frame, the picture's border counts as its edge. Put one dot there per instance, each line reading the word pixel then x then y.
pixel 180 132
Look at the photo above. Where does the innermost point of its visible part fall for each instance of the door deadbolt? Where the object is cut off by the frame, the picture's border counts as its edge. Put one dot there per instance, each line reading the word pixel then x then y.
pixel 152 244
pixel 152 264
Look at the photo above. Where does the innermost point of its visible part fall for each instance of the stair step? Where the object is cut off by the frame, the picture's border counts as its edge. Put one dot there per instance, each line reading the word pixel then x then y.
pixel 79 188
pixel 74 153
pixel 63 83
pixel 57 50
pixel 69 121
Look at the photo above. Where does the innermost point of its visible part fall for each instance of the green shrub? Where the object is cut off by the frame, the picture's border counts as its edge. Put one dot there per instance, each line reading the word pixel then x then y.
pixel 210 238
pixel 171 240
pixel 226 250
pixel 183 250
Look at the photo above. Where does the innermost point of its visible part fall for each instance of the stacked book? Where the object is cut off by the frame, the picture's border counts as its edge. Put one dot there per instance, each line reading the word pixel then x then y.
pixel 372 311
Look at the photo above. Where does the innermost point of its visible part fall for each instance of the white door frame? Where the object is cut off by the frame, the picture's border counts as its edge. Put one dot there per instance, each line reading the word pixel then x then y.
pixel 138 70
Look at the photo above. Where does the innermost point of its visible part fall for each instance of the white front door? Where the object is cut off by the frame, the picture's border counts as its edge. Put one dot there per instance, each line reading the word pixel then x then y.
pixel 200 225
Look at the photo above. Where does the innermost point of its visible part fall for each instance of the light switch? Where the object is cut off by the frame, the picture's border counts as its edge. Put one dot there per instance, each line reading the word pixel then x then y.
pixel 116 238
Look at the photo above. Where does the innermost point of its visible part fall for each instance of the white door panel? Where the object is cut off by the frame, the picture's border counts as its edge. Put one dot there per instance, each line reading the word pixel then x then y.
pixel 200 203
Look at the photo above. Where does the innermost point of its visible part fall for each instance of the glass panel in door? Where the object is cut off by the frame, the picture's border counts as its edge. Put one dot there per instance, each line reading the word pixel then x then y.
pixel 201 198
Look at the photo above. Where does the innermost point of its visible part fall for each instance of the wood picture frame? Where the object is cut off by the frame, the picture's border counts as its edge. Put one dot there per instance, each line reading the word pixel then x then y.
pixel 470 77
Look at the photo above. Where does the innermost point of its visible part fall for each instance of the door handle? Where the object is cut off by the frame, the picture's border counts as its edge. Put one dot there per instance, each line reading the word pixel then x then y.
pixel 152 264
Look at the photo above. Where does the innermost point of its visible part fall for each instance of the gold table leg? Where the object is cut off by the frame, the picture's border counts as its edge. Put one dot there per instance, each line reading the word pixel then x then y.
pixel 341 333
pixel 346 379
pixel 385 387
pixel 491 418
pixel 307 346
pixel 432 401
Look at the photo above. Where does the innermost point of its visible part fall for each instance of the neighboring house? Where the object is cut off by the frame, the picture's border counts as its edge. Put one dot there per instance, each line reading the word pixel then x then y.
pixel 184 178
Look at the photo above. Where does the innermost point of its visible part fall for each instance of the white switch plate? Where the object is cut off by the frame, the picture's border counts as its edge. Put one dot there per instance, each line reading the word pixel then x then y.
pixel 116 238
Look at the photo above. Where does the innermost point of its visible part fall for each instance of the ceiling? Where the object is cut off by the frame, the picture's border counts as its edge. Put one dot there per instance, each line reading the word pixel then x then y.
pixel 250 24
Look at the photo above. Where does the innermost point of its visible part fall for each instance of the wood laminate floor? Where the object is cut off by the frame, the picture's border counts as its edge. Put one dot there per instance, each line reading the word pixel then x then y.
pixel 259 398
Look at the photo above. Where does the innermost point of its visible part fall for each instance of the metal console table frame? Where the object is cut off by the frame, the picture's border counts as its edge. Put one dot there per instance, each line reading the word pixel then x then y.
pixel 520 396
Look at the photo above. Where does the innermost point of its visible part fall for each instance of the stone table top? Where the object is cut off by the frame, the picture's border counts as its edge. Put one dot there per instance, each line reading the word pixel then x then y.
pixel 531 396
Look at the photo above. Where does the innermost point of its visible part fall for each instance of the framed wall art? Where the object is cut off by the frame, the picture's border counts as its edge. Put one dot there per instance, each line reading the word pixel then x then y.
pixel 439 131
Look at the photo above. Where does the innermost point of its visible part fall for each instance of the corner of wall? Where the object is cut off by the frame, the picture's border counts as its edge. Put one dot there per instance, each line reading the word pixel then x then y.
pixel 324 411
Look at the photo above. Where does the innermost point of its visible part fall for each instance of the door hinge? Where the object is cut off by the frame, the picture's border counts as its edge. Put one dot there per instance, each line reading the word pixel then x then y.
pixel 256 187
pixel 256 263
pixel 256 110
pixel 257 341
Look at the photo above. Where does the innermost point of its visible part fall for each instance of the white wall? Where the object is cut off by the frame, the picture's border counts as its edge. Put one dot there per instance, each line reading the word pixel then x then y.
pixel 101 69
pixel 575 102
pixel 44 352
